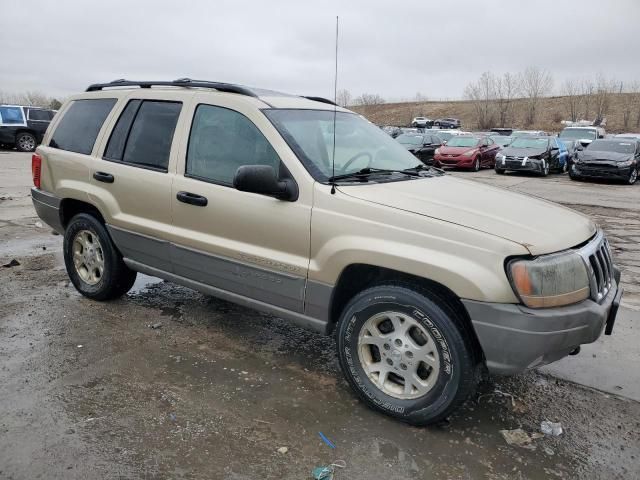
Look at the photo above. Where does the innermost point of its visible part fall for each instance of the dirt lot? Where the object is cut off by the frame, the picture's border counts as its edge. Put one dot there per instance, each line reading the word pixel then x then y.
pixel 89 390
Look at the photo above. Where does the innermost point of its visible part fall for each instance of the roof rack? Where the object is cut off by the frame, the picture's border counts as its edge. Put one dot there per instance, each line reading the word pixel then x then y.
pixel 321 100
pixel 181 82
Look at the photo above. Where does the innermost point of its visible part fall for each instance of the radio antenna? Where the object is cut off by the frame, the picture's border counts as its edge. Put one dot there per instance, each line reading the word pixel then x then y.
pixel 335 107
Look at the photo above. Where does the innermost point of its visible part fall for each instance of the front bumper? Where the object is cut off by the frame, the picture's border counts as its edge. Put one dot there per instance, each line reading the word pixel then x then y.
pixel 454 162
pixel 515 338
pixel 602 172
pixel 48 208
pixel 531 165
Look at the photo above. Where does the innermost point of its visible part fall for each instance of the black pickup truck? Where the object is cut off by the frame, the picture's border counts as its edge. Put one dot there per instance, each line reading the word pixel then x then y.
pixel 23 127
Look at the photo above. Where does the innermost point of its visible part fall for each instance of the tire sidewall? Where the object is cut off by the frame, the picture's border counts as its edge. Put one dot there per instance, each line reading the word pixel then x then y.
pixel 476 165
pixel 87 222
pixel 23 134
pixel 441 329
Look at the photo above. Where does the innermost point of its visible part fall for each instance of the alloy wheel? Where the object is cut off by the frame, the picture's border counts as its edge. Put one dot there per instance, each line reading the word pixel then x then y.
pixel 26 143
pixel 88 257
pixel 398 355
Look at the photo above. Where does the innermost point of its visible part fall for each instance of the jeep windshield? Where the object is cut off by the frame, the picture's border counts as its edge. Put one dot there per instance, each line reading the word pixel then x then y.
pixel 359 145
pixel 578 133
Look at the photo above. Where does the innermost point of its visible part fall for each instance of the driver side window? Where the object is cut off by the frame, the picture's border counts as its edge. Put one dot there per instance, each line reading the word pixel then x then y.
pixel 223 140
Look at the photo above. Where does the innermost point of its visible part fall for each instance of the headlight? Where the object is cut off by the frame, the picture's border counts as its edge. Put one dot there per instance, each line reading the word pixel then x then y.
pixel 628 163
pixel 468 153
pixel 550 280
pixel 500 156
pixel 437 152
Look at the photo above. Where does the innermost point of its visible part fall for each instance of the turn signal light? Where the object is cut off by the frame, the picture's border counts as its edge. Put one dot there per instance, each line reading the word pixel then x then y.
pixel 36 168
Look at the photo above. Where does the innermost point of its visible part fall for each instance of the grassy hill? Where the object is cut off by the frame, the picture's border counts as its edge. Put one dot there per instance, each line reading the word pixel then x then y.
pixel 551 111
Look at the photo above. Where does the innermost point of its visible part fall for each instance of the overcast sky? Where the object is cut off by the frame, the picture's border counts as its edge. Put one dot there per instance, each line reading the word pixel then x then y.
pixel 393 48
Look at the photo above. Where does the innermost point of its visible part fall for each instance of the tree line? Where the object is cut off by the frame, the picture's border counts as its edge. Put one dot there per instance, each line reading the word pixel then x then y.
pixel 35 99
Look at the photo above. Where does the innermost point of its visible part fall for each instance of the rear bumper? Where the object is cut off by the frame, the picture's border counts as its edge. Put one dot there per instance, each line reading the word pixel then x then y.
pixel 47 207
pixel 515 338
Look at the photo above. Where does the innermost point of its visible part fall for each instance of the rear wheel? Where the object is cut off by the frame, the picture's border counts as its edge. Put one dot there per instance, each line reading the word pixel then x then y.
pixel 406 353
pixel 93 263
pixel 26 142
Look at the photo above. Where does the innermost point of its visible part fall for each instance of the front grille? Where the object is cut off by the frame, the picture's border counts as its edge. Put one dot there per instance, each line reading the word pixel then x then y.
pixel 598 170
pixel 597 257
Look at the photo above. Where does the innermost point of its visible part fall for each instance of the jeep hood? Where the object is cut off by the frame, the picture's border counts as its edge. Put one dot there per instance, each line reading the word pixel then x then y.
pixel 540 226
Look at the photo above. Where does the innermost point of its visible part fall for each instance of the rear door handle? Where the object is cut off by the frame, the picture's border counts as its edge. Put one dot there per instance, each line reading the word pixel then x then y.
pixel 103 177
pixel 192 199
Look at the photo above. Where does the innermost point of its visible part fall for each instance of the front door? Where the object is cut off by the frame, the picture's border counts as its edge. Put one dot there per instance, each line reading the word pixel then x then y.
pixel 244 243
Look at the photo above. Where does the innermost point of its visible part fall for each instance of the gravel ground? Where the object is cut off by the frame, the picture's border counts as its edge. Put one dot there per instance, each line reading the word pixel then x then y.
pixel 91 390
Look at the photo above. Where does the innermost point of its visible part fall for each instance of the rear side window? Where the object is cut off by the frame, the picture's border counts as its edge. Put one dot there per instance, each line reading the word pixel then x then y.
pixel 11 115
pixel 222 140
pixel 78 129
pixel 144 133
pixel 39 115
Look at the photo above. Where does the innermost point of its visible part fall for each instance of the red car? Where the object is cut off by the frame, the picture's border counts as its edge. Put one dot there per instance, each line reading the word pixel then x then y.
pixel 465 151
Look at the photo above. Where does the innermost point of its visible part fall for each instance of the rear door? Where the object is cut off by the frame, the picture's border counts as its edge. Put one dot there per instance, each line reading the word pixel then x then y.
pixel 251 245
pixel 38 120
pixel 132 174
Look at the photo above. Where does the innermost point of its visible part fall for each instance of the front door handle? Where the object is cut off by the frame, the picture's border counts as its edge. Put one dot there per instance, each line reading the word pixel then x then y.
pixel 103 177
pixel 192 199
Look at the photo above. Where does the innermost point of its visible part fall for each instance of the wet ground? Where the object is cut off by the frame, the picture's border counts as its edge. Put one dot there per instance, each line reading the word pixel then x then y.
pixel 92 390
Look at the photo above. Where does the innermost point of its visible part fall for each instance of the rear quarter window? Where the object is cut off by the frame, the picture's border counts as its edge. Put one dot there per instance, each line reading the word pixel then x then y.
pixel 79 127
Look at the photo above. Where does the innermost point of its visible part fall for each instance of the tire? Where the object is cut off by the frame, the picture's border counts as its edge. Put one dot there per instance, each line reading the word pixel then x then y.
pixel 453 362
pixel 500 171
pixel 26 142
pixel 476 165
pixel 545 169
pixel 101 273
pixel 633 176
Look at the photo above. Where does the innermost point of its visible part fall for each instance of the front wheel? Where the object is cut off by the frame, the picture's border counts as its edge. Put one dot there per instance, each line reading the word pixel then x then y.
pixel 406 353
pixel 476 165
pixel 94 265
pixel 545 169
pixel 633 176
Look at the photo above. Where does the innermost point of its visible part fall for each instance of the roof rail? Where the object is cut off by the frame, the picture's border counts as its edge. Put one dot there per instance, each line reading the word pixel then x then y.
pixel 181 82
pixel 321 100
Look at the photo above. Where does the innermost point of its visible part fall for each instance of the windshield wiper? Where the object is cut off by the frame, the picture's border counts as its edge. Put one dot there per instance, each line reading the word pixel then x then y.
pixel 364 173
pixel 425 168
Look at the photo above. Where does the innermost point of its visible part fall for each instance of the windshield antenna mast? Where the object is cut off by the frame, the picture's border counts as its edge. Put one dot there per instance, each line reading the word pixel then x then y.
pixel 335 101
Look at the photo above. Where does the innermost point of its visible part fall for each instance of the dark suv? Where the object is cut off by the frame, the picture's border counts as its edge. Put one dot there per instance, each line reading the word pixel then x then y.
pixel 447 123
pixel 23 127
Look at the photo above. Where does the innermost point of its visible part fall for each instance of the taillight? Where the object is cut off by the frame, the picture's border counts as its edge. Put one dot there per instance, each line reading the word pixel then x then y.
pixel 36 168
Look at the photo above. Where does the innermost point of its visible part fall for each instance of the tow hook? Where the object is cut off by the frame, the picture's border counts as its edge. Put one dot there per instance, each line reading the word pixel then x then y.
pixel 575 351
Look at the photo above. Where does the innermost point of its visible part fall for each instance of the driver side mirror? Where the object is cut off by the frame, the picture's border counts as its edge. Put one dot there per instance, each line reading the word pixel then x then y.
pixel 262 179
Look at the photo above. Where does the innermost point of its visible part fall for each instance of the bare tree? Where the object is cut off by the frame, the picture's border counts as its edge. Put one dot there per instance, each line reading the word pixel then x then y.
pixel 587 88
pixel 507 88
pixel 572 97
pixel 604 89
pixel 368 99
pixel 343 97
pixel 420 97
pixel 536 83
pixel 482 94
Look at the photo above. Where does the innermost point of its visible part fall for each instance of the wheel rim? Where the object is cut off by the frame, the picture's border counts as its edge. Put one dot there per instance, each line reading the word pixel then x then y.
pixel 26 142
pixel 88 257
pixel 633 176
pixel 476 166
pixel 398 355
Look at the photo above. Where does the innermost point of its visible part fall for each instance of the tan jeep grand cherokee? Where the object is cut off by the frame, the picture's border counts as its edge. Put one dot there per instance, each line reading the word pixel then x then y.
pixel 300 208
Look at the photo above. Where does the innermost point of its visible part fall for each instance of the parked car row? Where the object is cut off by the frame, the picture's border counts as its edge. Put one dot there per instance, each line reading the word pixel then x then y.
pixel 445 123
pixel 584 152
